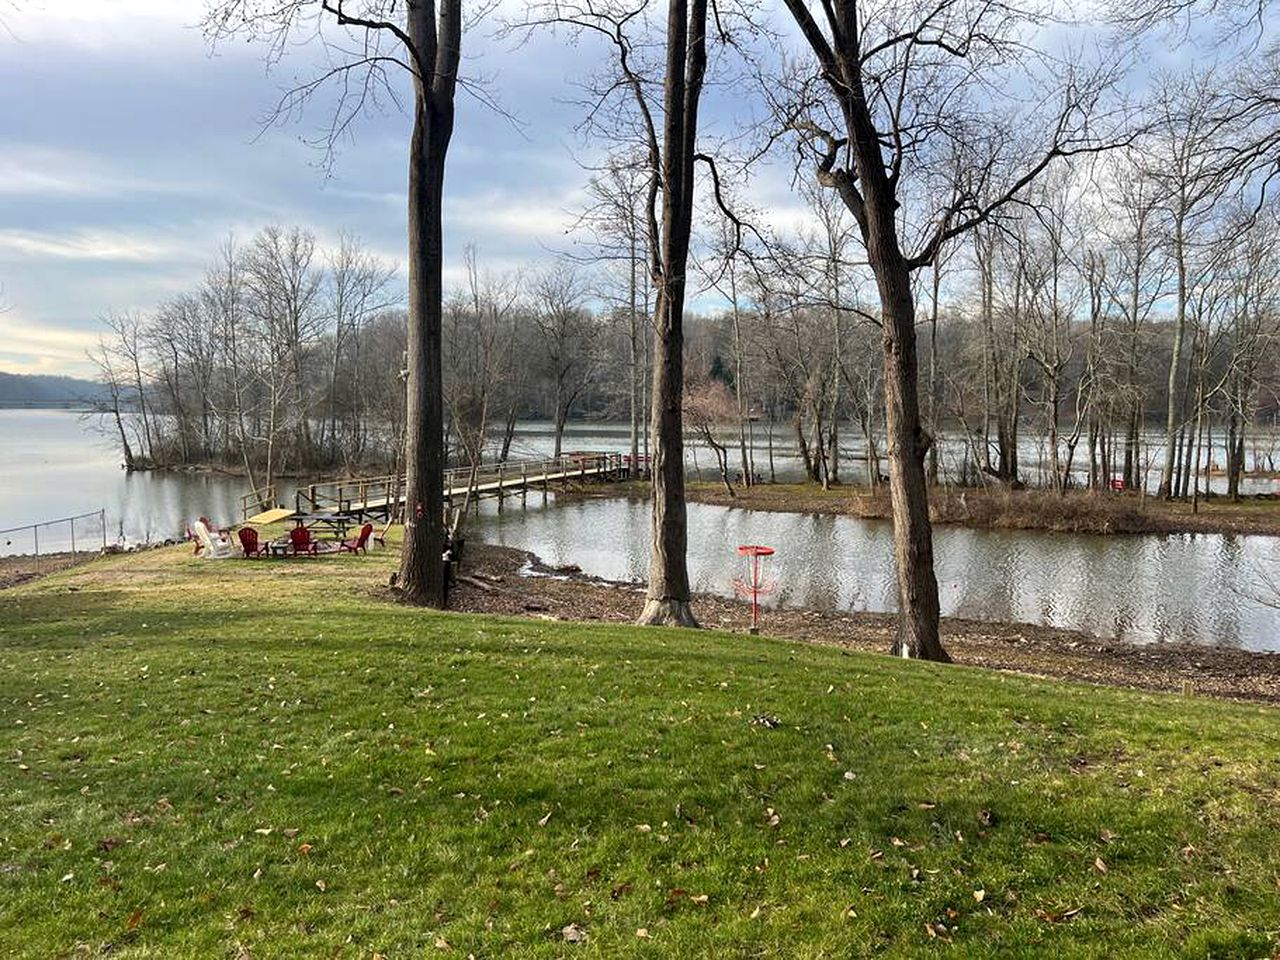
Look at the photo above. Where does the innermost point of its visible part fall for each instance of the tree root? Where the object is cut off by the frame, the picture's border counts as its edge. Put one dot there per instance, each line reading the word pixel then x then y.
pixel 664 612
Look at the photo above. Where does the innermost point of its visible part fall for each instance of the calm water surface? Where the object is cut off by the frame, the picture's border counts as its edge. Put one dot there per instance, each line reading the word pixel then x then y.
pixel 1197 588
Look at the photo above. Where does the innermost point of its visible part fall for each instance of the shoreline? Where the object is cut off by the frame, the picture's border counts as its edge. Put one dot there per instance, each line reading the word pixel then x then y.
pixel 1081 512
pixel 493 582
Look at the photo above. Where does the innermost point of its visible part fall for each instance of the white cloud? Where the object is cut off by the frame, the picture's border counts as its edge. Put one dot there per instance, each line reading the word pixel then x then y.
pixel 80 245
pixel 30 347
pixel 28 170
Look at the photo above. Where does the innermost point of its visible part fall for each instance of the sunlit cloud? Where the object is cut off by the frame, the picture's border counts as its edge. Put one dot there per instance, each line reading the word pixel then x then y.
pixel 31 347
pixel 79 245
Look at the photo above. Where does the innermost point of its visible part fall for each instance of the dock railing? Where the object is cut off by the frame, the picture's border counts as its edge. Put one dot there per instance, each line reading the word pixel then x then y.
pixel 384 493
pixel 82 533
pixel 255 501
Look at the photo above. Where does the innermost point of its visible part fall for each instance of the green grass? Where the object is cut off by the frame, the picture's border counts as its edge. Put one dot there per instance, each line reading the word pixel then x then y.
pixel 266 760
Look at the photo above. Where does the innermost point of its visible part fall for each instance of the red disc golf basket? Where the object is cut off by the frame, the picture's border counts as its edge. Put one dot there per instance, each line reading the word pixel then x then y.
pixel 754 585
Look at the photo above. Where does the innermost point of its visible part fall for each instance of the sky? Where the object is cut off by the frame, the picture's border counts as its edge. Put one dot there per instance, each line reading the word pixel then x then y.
pixel 129 149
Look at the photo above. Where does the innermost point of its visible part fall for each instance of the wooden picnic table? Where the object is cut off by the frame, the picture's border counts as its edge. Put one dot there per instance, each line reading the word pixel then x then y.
pixel 334 523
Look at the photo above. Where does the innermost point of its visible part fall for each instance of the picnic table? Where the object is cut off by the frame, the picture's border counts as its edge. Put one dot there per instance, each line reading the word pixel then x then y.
pixel 338 524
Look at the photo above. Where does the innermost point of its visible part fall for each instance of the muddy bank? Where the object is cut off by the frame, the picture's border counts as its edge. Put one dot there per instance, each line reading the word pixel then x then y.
pixel 491 582
pixel 16 570
pixel 1001 509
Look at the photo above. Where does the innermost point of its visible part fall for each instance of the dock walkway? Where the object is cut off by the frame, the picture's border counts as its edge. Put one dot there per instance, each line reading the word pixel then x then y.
pixel 380 498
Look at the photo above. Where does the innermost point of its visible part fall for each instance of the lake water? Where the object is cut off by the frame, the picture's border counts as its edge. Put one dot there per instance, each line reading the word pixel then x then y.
pixel 1195 588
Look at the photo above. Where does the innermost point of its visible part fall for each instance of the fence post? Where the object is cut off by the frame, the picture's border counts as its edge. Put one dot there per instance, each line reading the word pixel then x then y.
pixel 35 532
pixel 102 515
pixel 73 538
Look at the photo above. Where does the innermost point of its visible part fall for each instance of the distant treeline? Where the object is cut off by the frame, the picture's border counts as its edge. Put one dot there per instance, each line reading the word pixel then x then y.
pixel 288 359
pixel 37 389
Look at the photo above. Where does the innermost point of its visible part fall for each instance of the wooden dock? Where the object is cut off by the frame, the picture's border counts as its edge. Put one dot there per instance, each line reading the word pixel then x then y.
pixel 380 498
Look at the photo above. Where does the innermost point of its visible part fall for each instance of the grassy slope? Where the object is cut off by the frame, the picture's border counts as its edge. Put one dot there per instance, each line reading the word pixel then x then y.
pixel 159 715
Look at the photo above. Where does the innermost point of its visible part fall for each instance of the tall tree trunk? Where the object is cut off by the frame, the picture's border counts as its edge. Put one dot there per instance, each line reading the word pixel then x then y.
pixel 422 572
pixel 668 594
pixel 635 347
pixel 1167 474
pixel 908 446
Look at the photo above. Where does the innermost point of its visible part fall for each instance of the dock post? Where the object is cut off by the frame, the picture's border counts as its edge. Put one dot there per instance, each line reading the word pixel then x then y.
pixel 499 488
pixel 524 484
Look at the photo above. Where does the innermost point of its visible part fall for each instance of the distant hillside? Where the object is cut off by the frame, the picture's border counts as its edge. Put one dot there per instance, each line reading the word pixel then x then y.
pixel 18 389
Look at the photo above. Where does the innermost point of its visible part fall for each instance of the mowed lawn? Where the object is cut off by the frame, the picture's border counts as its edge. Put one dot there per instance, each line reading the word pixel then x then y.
pixel 258 759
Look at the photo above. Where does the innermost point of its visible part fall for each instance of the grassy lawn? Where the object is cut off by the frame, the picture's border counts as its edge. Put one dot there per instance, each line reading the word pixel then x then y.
pixel 241 759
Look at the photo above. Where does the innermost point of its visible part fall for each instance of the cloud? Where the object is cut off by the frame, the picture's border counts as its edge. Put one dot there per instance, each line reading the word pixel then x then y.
pixel 79 245
pixel 32 347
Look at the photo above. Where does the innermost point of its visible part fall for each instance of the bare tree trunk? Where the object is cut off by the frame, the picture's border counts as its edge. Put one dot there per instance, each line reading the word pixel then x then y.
pixel 422 572
pixel 635 346
pixel 908 445
pixel 1167 477
pixel 668 594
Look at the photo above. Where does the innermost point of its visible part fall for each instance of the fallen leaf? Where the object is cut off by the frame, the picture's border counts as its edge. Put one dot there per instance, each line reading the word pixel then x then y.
pixel 1100 865
pixel 543 822
pixel 642 933
pixel 699 899
pixel 643 828
pixel 574 934
pixel 754 913
pixel 1049 917
pixel 305 848
pixel 979 895
pixel 135 918
pixel 321 886
pixel 443 944
pixel 1106 836
pixel 291 832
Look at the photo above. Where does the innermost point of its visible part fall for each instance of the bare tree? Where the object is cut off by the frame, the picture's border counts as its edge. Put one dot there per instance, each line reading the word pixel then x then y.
pixel 425 40
pixel 568 341
pixel 891 117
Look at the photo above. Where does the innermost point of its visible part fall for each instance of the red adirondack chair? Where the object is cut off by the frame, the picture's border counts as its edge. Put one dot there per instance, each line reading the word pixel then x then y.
pixel 300 540
pixel 360 543
pixel 250 544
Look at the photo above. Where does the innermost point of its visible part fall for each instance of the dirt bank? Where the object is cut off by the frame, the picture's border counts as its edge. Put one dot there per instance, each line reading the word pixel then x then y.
pixel 1001 509
pixel 16 570
pixel 491 583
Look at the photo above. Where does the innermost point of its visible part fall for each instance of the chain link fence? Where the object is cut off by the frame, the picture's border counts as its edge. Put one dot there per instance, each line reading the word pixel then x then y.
pixel 36 548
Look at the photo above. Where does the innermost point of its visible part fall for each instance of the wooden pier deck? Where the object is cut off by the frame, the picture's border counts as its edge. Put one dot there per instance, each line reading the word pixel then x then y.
pixel 379 498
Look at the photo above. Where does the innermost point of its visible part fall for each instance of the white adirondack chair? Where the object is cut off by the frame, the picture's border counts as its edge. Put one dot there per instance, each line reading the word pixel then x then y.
pixel 211 547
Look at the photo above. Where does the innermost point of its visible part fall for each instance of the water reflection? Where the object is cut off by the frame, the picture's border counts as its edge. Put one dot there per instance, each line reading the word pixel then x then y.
pixel 1185 587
